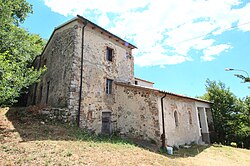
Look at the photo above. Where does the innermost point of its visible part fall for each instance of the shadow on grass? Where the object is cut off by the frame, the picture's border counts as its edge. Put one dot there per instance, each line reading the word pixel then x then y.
pixel 33 127
pixel 192 151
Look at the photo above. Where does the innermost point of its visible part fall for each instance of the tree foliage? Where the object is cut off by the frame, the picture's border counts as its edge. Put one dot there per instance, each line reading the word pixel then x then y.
pixel 231 115
pixel 18 49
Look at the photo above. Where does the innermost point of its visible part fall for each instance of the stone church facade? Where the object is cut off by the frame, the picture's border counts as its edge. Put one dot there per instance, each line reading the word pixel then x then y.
pixel 90 75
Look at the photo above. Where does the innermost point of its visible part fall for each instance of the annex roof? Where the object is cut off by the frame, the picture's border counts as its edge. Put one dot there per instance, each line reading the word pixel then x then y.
pixel 144 80
pixel 162 91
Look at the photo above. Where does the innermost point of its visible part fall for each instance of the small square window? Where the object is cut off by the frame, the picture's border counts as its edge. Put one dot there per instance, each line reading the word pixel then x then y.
pixel 109 86
pixel 136 82
pixel 109 54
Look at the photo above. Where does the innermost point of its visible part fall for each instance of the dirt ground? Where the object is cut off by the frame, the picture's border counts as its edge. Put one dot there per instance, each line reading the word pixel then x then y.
pixel 28 140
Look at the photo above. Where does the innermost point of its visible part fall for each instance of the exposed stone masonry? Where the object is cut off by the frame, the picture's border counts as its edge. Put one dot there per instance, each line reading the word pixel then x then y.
pixel 129 110
pixel 58 114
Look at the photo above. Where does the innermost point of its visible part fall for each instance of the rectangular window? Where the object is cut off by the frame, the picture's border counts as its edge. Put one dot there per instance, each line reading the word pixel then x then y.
pixel 34 97
pixel 109 54
pixel 47 95
pixel 136 82
pixel 109 86
pixel 41 93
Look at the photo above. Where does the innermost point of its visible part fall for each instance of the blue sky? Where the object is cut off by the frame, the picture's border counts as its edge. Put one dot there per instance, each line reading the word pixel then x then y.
pixel 180 43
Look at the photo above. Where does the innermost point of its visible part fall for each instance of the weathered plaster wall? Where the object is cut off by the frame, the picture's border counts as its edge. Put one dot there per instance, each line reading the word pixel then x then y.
pixel 137 112
pixel 61 58
pixel 95 44
pixel 184 132
pixel 144 83
pixel 205 118
pixel 96 69
pixel 58 59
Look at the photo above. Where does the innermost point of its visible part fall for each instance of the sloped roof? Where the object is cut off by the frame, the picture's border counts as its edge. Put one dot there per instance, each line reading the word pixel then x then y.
pixel 162 91
pixel 107 32
pixel 144 80
pixel 102 30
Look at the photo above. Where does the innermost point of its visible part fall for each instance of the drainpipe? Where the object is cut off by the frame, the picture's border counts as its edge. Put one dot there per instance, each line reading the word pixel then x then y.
pixel 163 137
pixel 80 91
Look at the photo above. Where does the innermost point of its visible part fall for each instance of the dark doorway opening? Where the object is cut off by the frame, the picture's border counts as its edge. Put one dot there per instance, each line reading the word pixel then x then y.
pixel 106 123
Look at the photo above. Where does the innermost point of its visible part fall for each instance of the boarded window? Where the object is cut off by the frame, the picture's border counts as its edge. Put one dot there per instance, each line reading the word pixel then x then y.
pixel 109 54
pixel 109 86
pixel 176 119
pixel 106 123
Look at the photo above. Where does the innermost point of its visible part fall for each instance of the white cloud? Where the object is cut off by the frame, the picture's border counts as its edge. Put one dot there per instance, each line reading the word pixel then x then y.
pixel 149 59
pixel 243 17
pixel 165 30
pixel 66 7
pixel 103 20
pixel 213 51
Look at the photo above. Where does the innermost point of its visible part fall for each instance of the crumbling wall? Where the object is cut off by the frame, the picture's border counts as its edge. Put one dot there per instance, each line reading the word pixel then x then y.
pixel 61 58
pixel 62 115
pixel 137 113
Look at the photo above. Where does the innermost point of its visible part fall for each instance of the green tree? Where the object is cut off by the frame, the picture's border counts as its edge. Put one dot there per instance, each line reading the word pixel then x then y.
pixel 230 115
pixel 245 122
pixel 18 49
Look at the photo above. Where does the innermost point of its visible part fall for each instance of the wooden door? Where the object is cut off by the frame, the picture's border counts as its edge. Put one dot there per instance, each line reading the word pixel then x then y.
pixel 106 123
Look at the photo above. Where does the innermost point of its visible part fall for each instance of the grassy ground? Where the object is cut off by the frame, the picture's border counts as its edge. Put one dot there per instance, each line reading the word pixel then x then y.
pixel 27 139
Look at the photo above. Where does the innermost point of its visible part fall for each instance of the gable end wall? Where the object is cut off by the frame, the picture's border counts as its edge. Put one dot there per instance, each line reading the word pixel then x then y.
pixel 61 58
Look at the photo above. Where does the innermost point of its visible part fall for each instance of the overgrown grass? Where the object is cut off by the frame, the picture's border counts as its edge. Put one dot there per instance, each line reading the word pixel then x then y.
pixel 82 135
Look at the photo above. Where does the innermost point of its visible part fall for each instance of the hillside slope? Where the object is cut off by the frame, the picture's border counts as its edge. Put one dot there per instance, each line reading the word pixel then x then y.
pixel 26 138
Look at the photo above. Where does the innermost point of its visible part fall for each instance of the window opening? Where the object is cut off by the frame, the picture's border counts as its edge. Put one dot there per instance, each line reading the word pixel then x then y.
pixel 47 93
pixel 109 54
pixel 190 117
pixel 41 93
pixel 109 86
pixel 176 119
